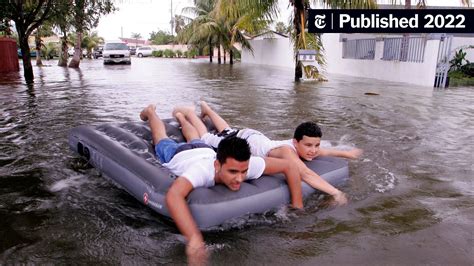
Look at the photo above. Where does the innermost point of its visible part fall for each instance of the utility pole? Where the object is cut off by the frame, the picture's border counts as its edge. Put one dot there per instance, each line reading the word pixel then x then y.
pixel 172 21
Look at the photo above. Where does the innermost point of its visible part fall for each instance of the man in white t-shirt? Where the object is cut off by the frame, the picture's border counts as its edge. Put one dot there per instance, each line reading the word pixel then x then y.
pixel 304 146
pixel 197 165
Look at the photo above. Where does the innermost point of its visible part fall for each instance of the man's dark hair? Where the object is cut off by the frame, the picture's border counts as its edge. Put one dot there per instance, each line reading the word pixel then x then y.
pixel 309 129
pixel 233 147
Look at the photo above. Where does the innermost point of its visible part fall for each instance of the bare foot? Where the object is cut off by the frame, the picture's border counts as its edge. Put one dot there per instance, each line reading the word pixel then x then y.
pixel 205 109
pixel 179 116
pixel 146 112
pixel 185 110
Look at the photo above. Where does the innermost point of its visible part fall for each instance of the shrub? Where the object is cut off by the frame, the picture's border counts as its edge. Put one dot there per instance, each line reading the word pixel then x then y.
pixel 157 53
pixel 168 53
pixel 179 53
pixel 468 69
pixel 50 50
pixel 192 53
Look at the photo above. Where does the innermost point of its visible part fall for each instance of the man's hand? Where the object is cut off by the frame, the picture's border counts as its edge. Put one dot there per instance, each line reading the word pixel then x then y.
pixel 196 251
pixel 340 198
pixel 179 211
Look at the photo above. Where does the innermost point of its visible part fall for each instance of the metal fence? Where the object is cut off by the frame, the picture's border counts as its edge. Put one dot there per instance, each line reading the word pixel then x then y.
pixel 359 49
pixel 408 49
pixel 442 66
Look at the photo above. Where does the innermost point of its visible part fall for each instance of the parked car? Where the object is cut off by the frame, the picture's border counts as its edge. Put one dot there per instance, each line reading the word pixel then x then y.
pixel 133 50
pixel 98 52
pixel 32 52
pixel 116 52
pixel 70 51
pixel 144 51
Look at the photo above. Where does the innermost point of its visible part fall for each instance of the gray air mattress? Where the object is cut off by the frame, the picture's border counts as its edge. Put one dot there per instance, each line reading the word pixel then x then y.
pixel 124 152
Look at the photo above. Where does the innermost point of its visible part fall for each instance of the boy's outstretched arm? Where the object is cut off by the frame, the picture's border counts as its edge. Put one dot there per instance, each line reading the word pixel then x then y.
pixel 308 175
pixel 291 172
pixel 317 182
pixel 350 154
pixel 179 211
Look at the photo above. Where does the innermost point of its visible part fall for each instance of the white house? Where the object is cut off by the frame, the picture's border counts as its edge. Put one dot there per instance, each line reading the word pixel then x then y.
pixel 378 56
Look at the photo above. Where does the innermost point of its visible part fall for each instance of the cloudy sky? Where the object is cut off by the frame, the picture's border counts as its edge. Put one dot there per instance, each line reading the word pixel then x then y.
pixel 145 16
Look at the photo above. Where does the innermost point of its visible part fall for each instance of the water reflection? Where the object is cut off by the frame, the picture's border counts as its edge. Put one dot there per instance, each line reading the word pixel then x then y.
pixel 415 173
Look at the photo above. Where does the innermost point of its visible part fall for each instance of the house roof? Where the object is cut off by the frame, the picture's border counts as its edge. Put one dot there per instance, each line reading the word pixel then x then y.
pixel 270 32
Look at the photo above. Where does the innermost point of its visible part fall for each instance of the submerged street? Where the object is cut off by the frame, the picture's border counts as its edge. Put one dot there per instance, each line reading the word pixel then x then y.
pixel 411 193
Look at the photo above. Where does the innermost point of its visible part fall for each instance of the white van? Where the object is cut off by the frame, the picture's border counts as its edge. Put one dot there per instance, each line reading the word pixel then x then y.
pixel 116 52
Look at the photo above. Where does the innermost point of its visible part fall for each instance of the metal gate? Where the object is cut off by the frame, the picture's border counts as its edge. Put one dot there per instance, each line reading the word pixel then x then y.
pixel 442 66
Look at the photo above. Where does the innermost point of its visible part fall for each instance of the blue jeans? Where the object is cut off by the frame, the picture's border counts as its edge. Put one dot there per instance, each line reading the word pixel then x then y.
pixel 167 148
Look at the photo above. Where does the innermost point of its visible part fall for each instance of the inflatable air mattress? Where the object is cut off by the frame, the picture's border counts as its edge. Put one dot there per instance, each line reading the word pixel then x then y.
pixel 124 153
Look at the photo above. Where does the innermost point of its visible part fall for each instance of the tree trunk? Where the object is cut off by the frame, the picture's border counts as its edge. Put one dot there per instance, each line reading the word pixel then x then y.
pixel 211 51
pixel 298 70
pixel 38 47
pixel 224 54
pixel 25 55
pixel 297 7
pixel 219 53
pixel 231 57
pixel 76 59
pixel 63 57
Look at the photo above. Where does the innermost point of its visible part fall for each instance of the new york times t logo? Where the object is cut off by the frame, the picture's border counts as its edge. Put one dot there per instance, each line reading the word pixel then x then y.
pixel 319 21
pixel 391 20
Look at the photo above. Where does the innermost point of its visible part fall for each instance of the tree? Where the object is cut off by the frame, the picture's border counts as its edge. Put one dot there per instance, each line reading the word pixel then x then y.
pixel 136 36
pixel 4 26
pixel 44 30
pixel 28 16
pixel 86 16
pixel 190 35
pixel 178 22
pixel 304 40
pixel 161 37
pixel 238 17
pixel 90 42
pixel 281 28
pixel 62 18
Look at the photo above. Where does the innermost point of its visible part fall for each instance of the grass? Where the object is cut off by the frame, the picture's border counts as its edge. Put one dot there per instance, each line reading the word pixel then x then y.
pixel 458 79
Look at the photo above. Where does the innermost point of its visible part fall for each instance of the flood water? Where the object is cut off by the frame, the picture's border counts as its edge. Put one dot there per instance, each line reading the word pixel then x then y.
pixel 411 193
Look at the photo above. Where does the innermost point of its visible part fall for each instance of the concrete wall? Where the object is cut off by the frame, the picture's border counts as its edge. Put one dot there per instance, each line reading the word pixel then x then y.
pixel 272 52
pixel 416 73
pixel 174 47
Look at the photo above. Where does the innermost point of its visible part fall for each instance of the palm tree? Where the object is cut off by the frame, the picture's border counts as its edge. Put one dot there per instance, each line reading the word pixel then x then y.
pixel 91 41
pixel 178 22
pixel 192 33
pixel 305 40
pixel 44 30
pixel 280 27
pixel 238 18
pixel 62 19
pixel 136 36
pixel 86 16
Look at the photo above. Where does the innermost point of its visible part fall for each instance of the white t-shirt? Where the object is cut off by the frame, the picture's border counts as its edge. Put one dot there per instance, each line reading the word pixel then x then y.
pixel 197 166
pixel 260 145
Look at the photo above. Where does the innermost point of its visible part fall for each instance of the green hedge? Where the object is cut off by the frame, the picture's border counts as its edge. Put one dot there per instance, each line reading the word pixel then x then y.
pixel 170 53
pixel 157 53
